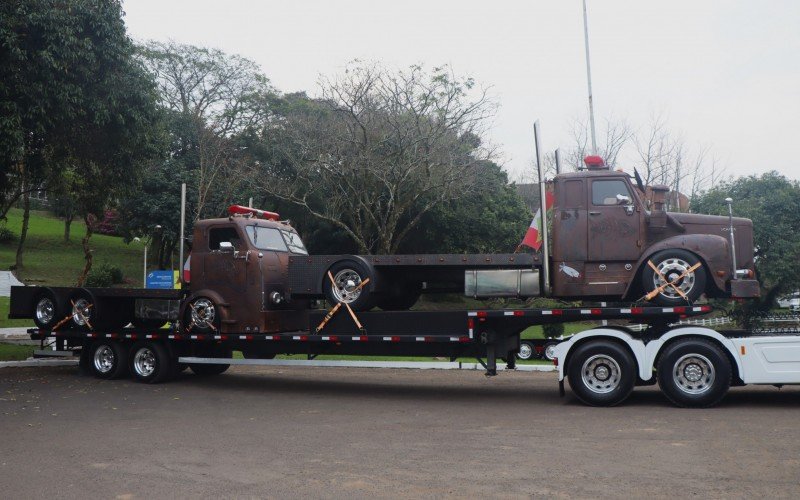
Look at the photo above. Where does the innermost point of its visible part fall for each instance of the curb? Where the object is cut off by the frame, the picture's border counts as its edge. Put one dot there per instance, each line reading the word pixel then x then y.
pixel 38 362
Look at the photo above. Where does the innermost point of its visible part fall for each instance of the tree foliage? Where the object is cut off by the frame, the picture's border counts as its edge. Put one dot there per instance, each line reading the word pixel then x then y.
pixel 773 203
pixel 379 150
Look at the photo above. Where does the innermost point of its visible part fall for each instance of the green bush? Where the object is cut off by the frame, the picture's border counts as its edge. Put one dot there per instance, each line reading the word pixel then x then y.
pixel 7 236
pixel 553 330
pixel 104 275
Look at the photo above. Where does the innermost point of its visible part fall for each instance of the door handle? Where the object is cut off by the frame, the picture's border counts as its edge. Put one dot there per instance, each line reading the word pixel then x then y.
pixel 594 213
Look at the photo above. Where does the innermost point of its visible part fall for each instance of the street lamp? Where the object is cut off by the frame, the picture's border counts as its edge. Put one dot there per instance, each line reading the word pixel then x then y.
pixel 157 227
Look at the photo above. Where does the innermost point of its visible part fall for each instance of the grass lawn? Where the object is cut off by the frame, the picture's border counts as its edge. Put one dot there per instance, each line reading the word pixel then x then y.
pixel 49 260
pixel 14 352
pixel 10 323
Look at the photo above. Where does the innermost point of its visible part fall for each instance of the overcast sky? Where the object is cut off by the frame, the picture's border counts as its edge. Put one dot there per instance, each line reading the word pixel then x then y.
pixel 724 74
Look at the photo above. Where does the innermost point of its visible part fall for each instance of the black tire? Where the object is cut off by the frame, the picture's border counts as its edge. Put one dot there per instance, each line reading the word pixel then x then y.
pixel 694 373
pixel 202 316
pixel 349 274
pixel 150 362
pixel 401 298
pixel 526 351
pixel 601 373
pixel 108 359
pixel 547 350
pixel 48 309
pixel 672 263
pixel 204 370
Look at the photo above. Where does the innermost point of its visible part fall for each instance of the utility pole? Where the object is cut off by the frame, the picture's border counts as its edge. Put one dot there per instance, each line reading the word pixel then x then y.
pixel 589 77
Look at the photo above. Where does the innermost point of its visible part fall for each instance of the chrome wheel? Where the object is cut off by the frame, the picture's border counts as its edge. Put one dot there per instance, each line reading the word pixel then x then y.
pixel 104 359
pixel 82 312
pixel 45 311
pixel 525 351
pixel 693 374
pixel 600 374
pixel 144 362
pixel 346 284
pixel 671 269
pixel 550 352
pixel 203 313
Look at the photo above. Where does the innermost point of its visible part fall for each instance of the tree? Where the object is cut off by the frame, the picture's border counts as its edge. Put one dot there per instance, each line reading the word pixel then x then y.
pixel 773 203
pixel 211 98
pixel 74 100
pixel 379 150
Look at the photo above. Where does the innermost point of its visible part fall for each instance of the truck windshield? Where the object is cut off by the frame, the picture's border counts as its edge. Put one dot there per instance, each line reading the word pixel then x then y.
pixel 266 238
pixel 294 242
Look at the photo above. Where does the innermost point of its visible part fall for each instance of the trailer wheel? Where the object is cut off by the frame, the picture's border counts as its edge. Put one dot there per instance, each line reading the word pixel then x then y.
pixel 401 297
pixel 47 310
pixel 672 264
pixel 202 315
pixel 601 373
pixel 347 276
pixel 83 309
pixel 150 362
pixel 549 351
pixel 108 359
pixel 526 350
pixel 694 373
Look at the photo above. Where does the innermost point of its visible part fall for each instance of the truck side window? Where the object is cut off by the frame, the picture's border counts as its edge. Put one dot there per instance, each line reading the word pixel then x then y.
pixel 605 192
pixel 219 234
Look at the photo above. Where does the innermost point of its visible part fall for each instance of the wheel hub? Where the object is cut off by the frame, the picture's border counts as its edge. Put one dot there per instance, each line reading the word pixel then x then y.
pixel 81 312
pixel 144 362
pixel 346 288
pixel 694 374
pixel 203 313
pixel 601 374
pixel 45 310
pixel 104 359
pixel 672 269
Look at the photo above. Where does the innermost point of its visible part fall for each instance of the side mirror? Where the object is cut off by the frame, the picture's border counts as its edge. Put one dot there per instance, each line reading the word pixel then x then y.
pixel 623 200
pixel 226 247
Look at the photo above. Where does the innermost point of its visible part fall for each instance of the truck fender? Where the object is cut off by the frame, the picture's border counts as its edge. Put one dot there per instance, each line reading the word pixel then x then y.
pixel 654 347
pixel 637 347
pixel 712 249
pixel 222 305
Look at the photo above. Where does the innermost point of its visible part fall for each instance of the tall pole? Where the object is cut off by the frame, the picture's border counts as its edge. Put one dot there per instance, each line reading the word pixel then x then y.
pixel 543 211
pixel 589 77
pixel 183 222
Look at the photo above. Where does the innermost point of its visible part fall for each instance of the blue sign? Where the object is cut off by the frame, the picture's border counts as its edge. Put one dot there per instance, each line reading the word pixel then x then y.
pixel 159 279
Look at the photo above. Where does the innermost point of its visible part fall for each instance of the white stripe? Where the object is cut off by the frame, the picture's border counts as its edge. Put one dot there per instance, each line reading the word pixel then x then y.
pixel 471 313
pixel 697 309
pixel 194 337
pixel 243 337
pixel 171 336
pixel 326 338
pixel 453 339
pixel 150 336
pixel 387 339
pixel 420 339
pixel 356 338
pixel 668 309
pixel 547 313
pixel 295 337
pixel 586 311
pixel 217 337
pixel 625 311
pixel 470 333
pixel 508 313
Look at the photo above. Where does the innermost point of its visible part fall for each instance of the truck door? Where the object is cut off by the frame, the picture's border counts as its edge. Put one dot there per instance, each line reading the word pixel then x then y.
pixel 613 240
pixel 225 270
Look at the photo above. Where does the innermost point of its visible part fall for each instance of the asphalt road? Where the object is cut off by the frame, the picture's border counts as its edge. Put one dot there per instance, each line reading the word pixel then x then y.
pixel 341 432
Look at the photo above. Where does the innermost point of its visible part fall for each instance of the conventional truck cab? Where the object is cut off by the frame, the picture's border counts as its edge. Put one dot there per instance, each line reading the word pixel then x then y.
pixel 239 271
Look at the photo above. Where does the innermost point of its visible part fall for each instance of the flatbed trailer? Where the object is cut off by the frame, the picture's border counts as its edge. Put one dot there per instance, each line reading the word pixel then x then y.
pixel 154 355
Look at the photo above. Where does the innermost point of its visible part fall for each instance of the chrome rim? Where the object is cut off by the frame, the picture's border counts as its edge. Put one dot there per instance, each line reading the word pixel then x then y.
pixel 550 352
pixel 104 359
pixel 671 269
pixel 45 310
pixel 203 313
pixel 144 362
pixel 525 351
pixel 694 374
pixel 82 312
pixel 346 286
pixel 601 374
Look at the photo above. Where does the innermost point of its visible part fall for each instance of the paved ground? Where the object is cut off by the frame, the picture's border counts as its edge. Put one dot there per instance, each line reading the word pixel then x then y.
pixel 7 280
pixel 341 432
